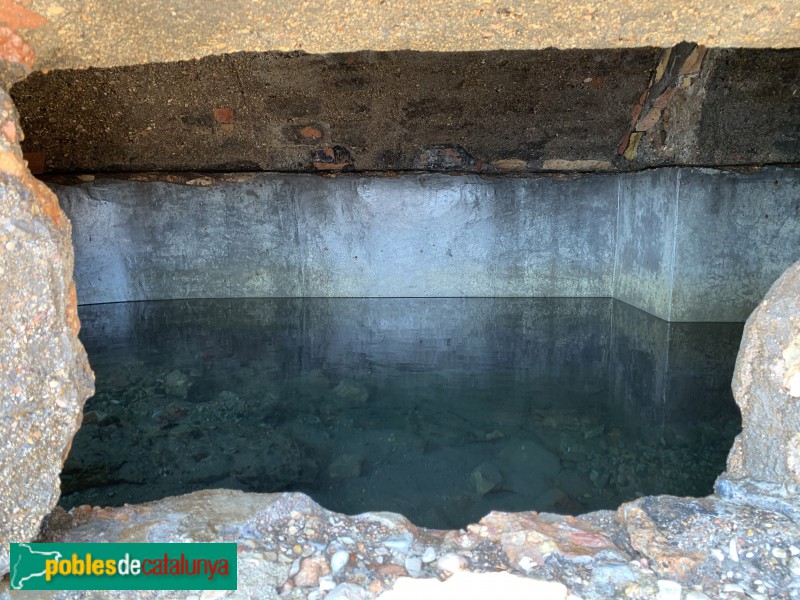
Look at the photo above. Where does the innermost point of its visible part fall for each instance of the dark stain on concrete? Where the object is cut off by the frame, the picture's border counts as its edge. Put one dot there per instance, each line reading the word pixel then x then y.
pixel 754 112
pixel 387 109
pixel 410 110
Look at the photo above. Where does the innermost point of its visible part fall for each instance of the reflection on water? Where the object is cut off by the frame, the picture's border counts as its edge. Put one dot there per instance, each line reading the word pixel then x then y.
pixel 441 409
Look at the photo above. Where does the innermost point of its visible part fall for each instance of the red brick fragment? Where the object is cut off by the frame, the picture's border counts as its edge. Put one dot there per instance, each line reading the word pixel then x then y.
pixel 624 144
pixel 638 108
pixel 311 133
pixel 662 101
pixel 223 115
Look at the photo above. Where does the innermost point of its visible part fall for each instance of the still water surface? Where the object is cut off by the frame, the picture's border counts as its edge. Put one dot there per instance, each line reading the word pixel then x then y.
pixel 440 409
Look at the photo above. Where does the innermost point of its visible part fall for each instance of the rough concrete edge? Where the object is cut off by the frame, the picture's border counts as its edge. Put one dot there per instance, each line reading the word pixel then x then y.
pixel 774 497
pixel 16 60
pixel 209 178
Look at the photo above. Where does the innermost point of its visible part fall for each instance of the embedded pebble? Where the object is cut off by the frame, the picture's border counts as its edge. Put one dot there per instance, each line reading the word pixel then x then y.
pixel 413 566
pixel 718 554
pixel 779 553
pixel 732 587
pixel 733 550
pixel 452 563
pixel 339 560
pixel 295 568
pixel 398 542
pixel 429 555
pixel 669 590
pixel 526 563
pixel 346 591
pixel 326 583
pixel 794 566
pixel 696 595
pixel 311 569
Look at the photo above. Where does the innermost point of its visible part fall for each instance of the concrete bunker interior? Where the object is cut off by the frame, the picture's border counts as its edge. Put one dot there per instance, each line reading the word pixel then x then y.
pixel 662 179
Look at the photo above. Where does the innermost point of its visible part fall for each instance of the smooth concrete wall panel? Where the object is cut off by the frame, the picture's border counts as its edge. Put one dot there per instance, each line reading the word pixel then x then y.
pixel 645 238
pixel 736 234
pixel 681 244
pixel 127 250
pixel 267 246
pixel 290 235
pixel 549 236
pixel 424 236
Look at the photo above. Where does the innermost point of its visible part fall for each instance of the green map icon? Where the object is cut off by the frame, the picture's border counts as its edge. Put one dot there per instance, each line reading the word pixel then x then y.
pixel 28 564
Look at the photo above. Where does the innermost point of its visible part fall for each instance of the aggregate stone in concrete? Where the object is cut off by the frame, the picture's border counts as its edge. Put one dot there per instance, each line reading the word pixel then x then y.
pixel 291 548
pixel 44 374
pixel 766 384
pixel 94 33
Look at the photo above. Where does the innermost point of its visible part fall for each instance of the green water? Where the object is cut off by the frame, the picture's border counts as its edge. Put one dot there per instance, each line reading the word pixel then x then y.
pixel 440 409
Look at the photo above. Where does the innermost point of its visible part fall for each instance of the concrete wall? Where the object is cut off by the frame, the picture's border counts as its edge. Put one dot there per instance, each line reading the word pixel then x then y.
pixel 705 245
pixel 297 235
pixel 646 232
pixel 682 244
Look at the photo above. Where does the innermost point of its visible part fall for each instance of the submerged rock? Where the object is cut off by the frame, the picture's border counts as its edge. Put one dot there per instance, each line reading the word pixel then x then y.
pixel 176 384
pixel 485 478
pixel 531 456
pixel 574 483
pixel 351 392
pixel 346 466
